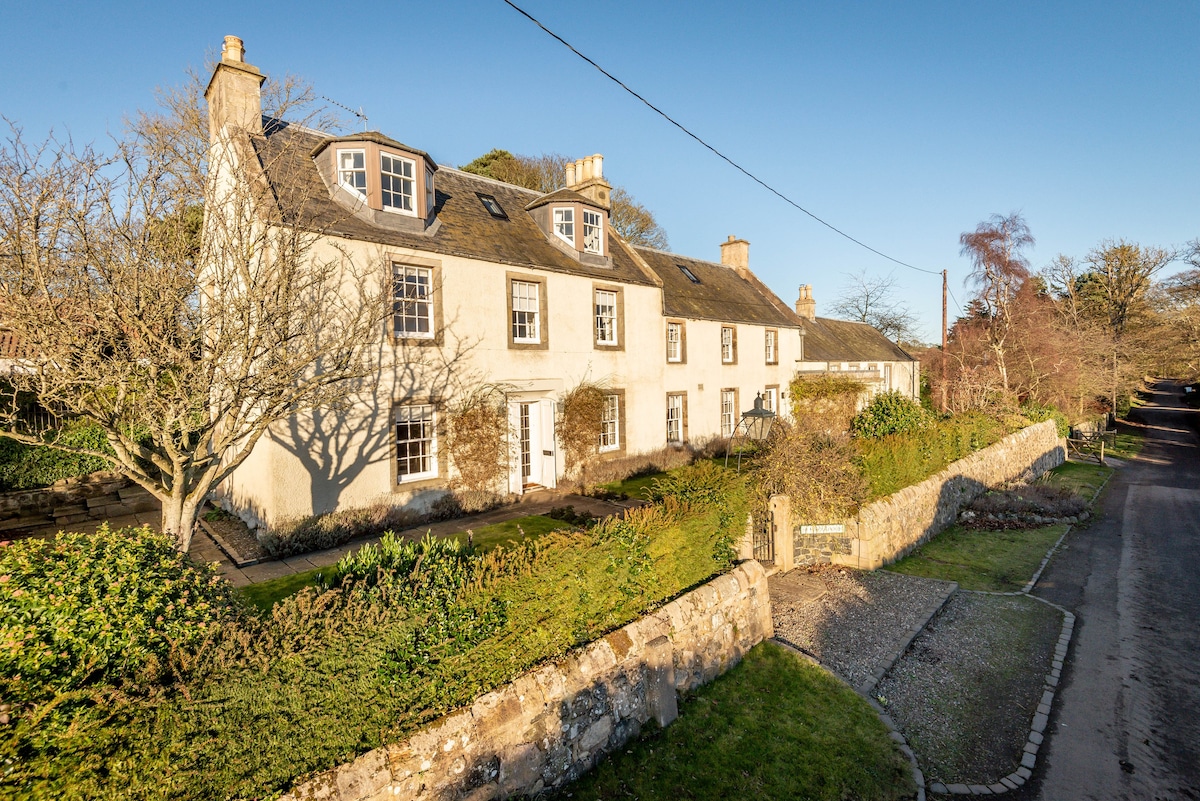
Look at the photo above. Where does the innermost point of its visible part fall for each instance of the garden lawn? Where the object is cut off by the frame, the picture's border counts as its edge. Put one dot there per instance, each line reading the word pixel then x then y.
pixel 265 594
pixel 775 726
pixel 1084 478
pixel 635 487
pixel 996 561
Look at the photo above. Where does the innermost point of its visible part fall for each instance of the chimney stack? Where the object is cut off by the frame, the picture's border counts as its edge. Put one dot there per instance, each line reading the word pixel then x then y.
pixel 586 176
pixel 234 92
pixel 806 307
pixel 735 254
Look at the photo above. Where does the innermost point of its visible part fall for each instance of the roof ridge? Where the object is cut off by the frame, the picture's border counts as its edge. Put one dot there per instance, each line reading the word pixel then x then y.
pixel 486 179
pixel 675 255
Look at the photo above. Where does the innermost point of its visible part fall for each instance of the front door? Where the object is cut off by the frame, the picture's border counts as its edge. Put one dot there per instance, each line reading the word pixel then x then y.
pixel 534 464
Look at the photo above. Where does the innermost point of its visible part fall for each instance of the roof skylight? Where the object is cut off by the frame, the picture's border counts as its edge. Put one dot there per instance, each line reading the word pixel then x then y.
pixel 492 205
pixel 691 275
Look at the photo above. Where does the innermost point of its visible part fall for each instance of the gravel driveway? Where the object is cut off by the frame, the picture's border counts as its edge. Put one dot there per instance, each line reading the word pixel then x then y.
pixel 855 623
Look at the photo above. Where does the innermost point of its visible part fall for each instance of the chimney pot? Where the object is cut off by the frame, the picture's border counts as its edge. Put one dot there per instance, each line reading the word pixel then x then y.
pixel 233 50
pixel 570 174
pixel 598 166
pixel 806 307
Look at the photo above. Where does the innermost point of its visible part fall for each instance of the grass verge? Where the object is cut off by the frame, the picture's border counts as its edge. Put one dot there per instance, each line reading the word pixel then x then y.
pixel 995 561
pixel 773 727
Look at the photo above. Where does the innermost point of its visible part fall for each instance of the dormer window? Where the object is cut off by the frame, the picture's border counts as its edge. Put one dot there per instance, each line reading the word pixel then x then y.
pixel 564 225
pixel 430 195
pixel 593 233
pixel 397 183
pixel 352 170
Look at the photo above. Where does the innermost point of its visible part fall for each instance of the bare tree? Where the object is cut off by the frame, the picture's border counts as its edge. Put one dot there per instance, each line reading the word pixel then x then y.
pixel 184 336
pixel 999 269
pixel 869 299
pixel 632 221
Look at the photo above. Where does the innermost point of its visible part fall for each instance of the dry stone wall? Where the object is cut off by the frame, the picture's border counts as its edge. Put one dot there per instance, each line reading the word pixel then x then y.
pixel 98 496
pixel 890 527
pixel 553 723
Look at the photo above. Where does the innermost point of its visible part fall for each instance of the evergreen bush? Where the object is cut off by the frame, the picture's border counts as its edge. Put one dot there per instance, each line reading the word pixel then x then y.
pixel 890 413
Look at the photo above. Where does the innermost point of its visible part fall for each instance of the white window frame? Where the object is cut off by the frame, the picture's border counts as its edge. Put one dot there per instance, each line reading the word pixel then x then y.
pixel 675 346
pixel 564 225
pixel 526 312
pixel 728 412
pixel 412 299
pixel 610 424
pixel 407 182
pixel 422 416
pixel 606 317
pixel 430 194
pixel 675 419
pixel 770 398
pixel 593 232
pixel 772 346
pixel 343 172
pixel 726 345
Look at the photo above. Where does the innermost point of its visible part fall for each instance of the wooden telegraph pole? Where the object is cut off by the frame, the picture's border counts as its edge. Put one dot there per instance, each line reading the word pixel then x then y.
pixel 945 330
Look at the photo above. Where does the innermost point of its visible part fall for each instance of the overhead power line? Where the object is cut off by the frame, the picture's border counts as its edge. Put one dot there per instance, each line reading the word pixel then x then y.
pixel 714 150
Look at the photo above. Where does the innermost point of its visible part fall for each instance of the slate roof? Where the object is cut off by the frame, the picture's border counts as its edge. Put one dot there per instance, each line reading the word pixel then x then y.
pixel 827 340
pixel 722 294
pixel 465 227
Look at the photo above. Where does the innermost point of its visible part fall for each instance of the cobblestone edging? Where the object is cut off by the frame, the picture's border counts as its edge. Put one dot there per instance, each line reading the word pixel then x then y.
pixel 885 663
pixel 1041 716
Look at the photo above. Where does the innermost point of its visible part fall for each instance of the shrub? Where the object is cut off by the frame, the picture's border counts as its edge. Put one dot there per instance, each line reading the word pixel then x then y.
pixel 814 468
pixel 318 532
pixel 477 443
pixel 832 399
pixel 579 427
pixel 82 609
pixel 1038 414
pixel 889 413
pixel 896 461
pixel 31 466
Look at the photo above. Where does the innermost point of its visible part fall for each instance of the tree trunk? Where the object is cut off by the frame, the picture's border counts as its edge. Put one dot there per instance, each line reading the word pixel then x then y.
pixel 179 519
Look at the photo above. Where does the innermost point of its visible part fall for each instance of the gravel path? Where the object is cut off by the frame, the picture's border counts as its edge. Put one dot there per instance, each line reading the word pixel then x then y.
pixel 855 623
pixel 965 692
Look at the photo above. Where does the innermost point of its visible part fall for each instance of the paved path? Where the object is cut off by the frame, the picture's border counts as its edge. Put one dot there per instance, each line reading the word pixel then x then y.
pixel 1127 724
pixel 204 549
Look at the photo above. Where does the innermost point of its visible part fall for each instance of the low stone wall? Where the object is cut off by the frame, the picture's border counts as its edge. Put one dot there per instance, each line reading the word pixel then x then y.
pixel 98 496
pixel 890 527
pixel 553 723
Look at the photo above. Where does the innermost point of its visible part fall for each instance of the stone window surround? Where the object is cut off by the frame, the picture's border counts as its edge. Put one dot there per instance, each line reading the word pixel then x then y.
pixel 441 458
pixel 771 354
pixel 682 341
pixel 435 267
pixel 683 423
pixel 736 415
pixel 543 342
pixel 733 349
pixel 619 345
pixel 622 431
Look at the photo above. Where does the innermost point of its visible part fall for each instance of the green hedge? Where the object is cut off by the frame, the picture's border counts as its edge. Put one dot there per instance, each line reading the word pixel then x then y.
pixel 32 466
pixel 896 461
pixel 890 413
pixel 409 633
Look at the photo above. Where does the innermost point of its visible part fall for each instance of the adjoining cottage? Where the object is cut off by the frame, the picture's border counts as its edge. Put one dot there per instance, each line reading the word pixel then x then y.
pixel 495 285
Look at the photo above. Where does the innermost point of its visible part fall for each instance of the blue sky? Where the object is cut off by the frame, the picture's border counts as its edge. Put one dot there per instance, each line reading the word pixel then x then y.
pixel 903 124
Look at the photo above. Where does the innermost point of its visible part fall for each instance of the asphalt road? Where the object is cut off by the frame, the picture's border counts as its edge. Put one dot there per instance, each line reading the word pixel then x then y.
pixel 1127 720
